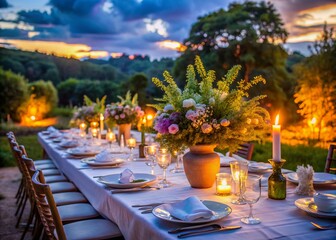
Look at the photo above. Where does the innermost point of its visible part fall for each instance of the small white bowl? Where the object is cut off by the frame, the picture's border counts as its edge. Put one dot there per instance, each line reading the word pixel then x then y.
pixel 325 202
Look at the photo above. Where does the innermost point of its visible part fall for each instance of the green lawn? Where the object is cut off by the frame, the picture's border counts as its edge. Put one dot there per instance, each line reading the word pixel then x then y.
pixel 31 144
pixel 295 155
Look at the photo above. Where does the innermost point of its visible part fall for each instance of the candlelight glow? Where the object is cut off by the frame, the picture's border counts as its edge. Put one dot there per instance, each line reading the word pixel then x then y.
pixel 33 118
pixel 313 121
pixel 149 117
pixel 277 119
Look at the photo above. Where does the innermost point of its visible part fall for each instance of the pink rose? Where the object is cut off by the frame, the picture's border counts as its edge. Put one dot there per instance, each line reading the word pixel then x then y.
pixel 173 129
pixel 225 122
pixel 137 108
pixel 116 117
pixel 122 116
pixel 206 128
pixel 141 113
pixel 191 115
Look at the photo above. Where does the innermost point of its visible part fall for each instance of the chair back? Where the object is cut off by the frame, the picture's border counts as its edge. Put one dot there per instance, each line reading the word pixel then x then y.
pixel 47 209
pixel 331 158
pixel 245 150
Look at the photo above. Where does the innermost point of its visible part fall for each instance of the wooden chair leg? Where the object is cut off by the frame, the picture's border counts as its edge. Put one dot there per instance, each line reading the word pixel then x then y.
pixel 20 202
pixel 19 191
pixel 21 212
pixel 30 220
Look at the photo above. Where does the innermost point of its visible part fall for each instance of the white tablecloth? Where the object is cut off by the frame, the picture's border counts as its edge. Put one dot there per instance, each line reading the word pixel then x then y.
pixel 280 218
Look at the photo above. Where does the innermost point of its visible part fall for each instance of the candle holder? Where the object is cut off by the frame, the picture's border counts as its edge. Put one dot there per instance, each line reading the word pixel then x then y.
pixel 277 181
pixel 223 184
pixel 131 144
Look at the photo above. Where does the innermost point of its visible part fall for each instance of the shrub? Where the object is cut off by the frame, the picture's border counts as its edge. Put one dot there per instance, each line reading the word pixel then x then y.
pixel 13 94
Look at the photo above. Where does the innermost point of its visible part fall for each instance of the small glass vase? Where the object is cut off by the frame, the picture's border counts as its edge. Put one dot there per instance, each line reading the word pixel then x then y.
pixel 277 181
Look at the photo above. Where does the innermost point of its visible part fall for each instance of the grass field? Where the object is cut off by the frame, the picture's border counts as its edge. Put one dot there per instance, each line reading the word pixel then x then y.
pixel 295 155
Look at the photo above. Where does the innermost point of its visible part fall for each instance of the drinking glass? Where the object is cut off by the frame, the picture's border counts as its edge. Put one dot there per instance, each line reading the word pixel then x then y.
pixel 239 170
pixel 251 195
pixel 163 160
pixel 131 144
pixel 178 166
pixel 110 137
pixel 150 152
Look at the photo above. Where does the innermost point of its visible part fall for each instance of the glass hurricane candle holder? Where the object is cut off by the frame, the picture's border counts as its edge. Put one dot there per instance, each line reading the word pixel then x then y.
pixel 131 144
pixel 223 184
pixel 178 166
pixel 239 172
pixel 94 124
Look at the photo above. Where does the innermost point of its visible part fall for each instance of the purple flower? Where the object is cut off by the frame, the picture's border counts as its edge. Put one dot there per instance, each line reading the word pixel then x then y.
pixel 173 129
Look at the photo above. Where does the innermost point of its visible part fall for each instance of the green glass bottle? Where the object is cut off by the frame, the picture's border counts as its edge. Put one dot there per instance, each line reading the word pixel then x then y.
pixel 277 181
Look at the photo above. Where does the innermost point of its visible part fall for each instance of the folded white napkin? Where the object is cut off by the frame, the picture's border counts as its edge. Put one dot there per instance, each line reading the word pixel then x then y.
pixel 69 143
pixel 104 156
pixel 51 129
pixel 126 176
pixel 189 209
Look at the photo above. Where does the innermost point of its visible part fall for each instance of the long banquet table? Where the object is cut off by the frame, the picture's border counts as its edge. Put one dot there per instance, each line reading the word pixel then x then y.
pixel 281 219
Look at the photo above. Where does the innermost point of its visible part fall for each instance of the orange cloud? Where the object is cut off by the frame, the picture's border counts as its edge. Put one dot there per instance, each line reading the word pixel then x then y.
pixel 60 49
pixel 173 45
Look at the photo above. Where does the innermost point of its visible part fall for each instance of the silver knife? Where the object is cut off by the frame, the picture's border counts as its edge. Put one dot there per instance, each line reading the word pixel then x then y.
pixel 177 230
pixel 135 189
pixel 200 232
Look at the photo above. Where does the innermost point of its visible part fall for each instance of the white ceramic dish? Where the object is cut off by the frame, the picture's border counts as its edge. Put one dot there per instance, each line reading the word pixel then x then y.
pixel 69 145
pixel 320 178
pixel 308 205
pixel 259 167
pixel 225 160
pixel 220 210
pixel 113 180
pixel 115 162
pixel 77 152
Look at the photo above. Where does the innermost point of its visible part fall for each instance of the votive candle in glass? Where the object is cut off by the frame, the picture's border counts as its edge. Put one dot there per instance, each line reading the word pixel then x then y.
pixel 223 184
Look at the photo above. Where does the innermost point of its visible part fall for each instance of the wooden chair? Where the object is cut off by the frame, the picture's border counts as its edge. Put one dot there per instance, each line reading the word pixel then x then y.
pixel 245 150
pixel 331 158
pixel 52 223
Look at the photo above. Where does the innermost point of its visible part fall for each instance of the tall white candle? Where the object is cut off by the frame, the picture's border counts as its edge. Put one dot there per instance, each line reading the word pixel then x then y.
pixel 276 140
pixel 101 118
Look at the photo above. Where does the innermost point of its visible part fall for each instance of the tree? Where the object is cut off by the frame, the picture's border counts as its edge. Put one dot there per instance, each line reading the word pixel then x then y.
pixel 316 91
pixel 66 92
pixel 13 94
pixel 249 34
pixel 137 84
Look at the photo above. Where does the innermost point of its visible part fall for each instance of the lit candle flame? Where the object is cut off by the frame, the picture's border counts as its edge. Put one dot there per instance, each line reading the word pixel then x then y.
pixel 277 119
pixel 149 117
pixel 313 121
pixel 101 117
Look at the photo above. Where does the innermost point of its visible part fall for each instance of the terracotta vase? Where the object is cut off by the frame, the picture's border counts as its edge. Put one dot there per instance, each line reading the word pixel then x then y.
pixel 124 129
pixel 201 165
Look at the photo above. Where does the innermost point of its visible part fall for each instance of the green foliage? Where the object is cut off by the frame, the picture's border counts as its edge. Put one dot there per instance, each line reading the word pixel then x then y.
pixel 204 114
pixel 66 92
pixel 316 91
pixel 294 155
pixel 31 144
pixel 44 89
pixel 137 84
pixel 13 94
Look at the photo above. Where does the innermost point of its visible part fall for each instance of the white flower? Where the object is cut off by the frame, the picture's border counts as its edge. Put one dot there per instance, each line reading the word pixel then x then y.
pixel 255 121
pixel 189 103
pixel 168 107
pixel 248 120
pixel 212 101
pixel 191 115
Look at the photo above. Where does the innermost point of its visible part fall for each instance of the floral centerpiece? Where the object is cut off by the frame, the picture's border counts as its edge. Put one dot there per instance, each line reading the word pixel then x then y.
pixel 125 111
pixel 89 112
pixel 203 116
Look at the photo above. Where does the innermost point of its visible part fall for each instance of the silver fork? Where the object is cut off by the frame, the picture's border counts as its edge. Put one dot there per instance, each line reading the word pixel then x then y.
pixel 324 227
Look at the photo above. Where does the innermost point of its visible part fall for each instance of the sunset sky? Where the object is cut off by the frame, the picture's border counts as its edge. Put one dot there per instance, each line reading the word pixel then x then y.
pixel 103 28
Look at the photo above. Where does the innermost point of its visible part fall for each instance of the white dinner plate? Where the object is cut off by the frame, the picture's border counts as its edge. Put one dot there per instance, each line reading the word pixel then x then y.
pixel 113 180
pixel 68 144
pixel 115 162
pixel 77 152
pixel 220 210
pixel 308 205
pixel 320 178
pixel 259 167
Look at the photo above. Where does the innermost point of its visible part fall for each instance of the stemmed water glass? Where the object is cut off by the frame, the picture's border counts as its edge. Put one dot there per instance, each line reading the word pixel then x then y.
pixel 110 137
pixel 251 195
pixel 239 171
pixel 150 152
pixel 178 166
pixel 163 160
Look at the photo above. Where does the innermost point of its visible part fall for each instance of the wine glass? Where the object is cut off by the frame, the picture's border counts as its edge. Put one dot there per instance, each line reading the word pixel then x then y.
pixel 163 160
pixel 131 144
pixel 239 170
pixel 150 152
pixel 110 137
pixel 251 195
pixel 178 166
